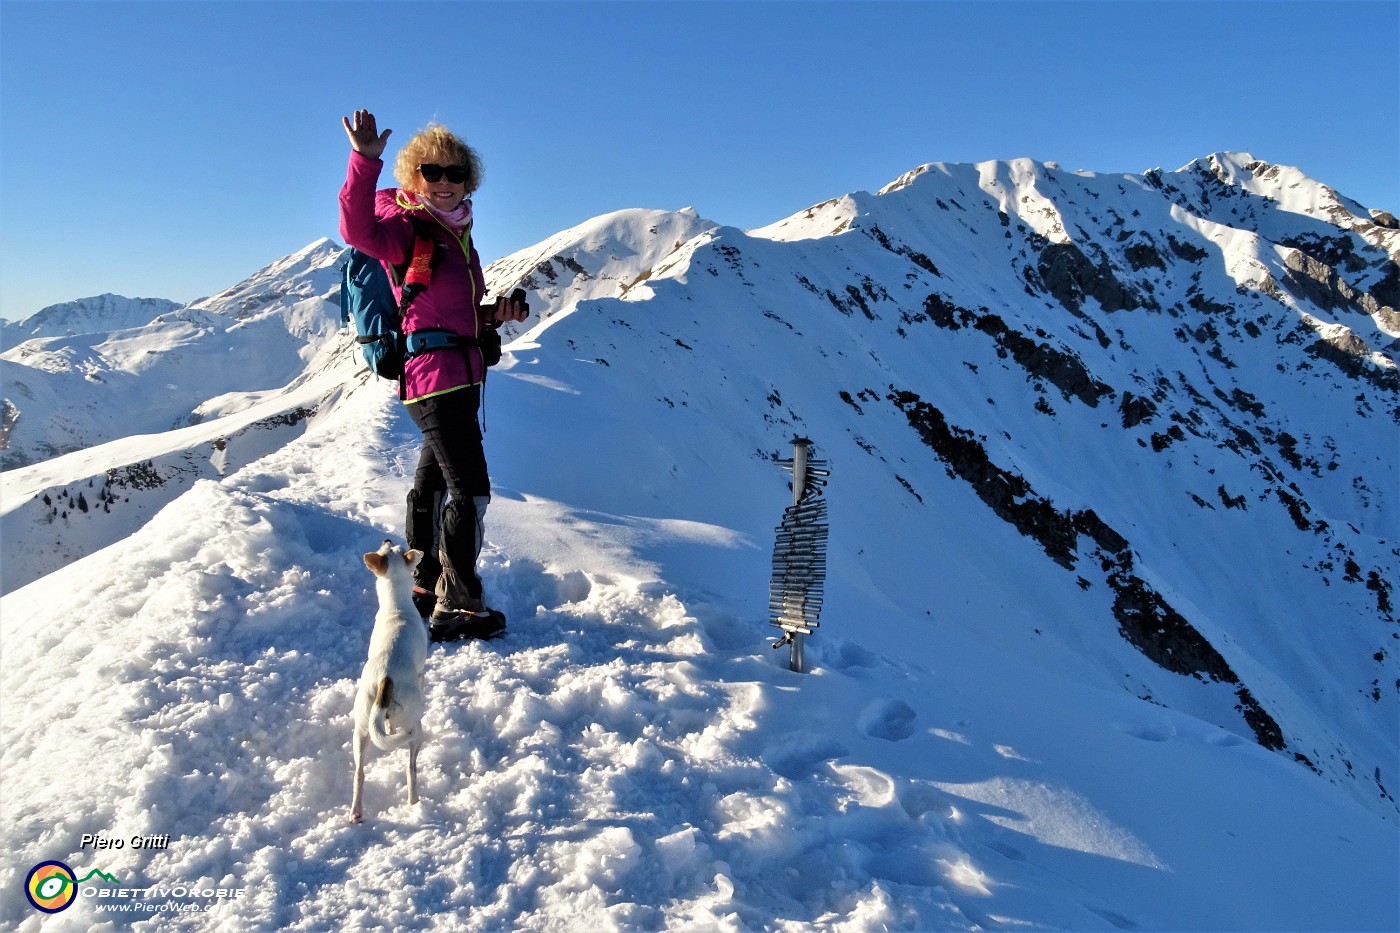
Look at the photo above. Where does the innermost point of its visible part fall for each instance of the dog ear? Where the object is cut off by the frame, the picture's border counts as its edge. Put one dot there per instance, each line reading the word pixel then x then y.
pixel 375 562
pixel 413 557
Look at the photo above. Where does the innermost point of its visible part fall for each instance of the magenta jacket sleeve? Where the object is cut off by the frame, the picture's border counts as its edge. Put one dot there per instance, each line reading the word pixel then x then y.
pixel 385 238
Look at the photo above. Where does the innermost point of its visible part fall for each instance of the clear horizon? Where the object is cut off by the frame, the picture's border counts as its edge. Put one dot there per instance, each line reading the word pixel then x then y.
pixel 159 149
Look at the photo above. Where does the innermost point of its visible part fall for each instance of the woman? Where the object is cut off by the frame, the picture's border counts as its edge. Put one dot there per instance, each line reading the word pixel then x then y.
pixel 442 387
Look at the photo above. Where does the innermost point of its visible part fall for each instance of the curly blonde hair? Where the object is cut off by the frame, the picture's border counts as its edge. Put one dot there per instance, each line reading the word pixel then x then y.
pixel 436 144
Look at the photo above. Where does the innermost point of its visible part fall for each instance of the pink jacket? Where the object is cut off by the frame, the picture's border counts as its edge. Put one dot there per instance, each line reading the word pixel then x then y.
pixel 380 223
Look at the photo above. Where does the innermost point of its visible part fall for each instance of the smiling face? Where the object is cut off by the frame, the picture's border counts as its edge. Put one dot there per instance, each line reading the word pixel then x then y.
pixel 435 146
pixel 441 194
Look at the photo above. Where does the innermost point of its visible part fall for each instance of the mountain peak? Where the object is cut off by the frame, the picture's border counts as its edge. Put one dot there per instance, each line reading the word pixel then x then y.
pixel 997 358
pixel 613 255
pixel 98 313
pixel 1109 582
pixel 309 272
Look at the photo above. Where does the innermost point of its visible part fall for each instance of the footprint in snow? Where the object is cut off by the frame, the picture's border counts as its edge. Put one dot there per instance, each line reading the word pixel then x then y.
pixel 888 719
pixel 796 755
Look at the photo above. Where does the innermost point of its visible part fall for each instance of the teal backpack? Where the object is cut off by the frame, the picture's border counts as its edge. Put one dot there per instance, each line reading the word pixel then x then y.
pixel 367 299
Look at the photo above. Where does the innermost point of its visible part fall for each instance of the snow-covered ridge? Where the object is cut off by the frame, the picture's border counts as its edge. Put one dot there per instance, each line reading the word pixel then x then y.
pixel 611 256
pixel 100 313
pixel 1111 580
pixel 310 272
pixel 258 335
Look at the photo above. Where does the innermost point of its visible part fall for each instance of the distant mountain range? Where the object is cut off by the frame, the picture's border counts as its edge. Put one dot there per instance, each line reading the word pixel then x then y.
pixel 100 313
pixel 159 364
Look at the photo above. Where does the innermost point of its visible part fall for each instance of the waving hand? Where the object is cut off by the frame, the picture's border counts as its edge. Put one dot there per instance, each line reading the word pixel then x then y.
pixel 364 134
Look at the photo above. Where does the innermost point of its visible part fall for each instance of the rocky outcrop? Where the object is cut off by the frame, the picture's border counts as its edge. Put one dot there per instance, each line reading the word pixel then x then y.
pixel 1041 359
pixel 1070 537
pixel 1070 277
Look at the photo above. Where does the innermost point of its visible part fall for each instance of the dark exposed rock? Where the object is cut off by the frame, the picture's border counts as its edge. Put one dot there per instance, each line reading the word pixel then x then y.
pixel 1161 633
pixel 1161 440
pixel 9 416
pixel 1070 276
pixel 1339 251
pixel 1266 730
pixel 945 314
pixel 1144 255
pixel 1377 584
pixel 1136 409
pixel 285 419
pixel 1204 305
pixel 903 249
pixel 1187 251
pixel 550 274
pixel 1297 509
pixel 1061 368
pixel 1145 619
pixel 1231 502
pixel 1386 291
pixel 1320 283
pixel 858 298
pixel 1350 354
pixel 1005 493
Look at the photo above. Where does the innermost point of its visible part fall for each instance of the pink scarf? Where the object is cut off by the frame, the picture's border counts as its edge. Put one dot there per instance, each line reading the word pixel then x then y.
pixel 458 219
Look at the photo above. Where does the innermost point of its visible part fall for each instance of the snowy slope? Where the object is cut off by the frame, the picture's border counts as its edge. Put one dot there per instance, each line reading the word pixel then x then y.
pixel 632 756
pixel 1108 640
pixel 1070 447
pixel 60 391
pixel 70 506
pixel 611 256
pixel 100 313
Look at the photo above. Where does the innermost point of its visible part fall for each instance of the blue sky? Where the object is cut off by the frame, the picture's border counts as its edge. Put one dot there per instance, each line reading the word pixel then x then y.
pixel 170 149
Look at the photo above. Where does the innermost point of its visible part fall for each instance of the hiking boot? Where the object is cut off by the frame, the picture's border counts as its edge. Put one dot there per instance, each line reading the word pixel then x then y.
pixel 446 624
pixel 424 601
pixel 473 604
pixel 446 628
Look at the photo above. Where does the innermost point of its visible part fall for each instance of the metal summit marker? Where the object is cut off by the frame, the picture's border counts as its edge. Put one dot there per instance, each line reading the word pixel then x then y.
pixel 799 553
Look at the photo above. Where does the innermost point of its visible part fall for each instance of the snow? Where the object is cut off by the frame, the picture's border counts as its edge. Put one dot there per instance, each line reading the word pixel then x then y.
pixel 973 746
pixel 100 313
pixel 624 758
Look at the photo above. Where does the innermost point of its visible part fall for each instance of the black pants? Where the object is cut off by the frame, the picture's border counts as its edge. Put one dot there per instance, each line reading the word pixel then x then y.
pixel 452 464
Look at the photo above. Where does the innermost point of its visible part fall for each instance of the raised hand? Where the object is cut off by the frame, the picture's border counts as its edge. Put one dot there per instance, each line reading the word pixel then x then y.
pixel 364 134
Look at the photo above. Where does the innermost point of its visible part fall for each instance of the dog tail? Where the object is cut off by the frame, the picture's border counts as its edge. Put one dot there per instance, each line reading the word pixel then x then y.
pixel 379 732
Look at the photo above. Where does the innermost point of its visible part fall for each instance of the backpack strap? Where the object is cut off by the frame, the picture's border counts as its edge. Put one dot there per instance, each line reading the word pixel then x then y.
pixel 413 277
pixel 419 273
pixel 422 341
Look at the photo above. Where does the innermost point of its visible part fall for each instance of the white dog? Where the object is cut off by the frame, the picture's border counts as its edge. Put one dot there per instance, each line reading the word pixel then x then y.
pixel 389 702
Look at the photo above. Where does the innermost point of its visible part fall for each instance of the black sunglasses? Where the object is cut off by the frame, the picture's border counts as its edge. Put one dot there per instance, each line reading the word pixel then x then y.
pixel 431 173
